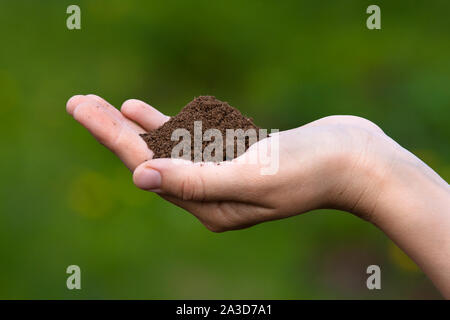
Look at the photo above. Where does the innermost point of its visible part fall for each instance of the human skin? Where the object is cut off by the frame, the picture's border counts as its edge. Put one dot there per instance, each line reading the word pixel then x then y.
pixel 339 162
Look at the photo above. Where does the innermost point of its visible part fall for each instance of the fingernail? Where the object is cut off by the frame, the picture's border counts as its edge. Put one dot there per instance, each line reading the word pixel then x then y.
pixel 148 179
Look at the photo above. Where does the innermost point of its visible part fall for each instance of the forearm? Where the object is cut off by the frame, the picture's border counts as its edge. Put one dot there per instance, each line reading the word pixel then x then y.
pixel 413 209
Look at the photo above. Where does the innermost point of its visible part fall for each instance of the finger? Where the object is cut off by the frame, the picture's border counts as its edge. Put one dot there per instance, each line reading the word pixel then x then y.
pixel 112 132
pixel 116 112
pixel 73 102
pixel 76 100
pixel 186 180
pixel 145 115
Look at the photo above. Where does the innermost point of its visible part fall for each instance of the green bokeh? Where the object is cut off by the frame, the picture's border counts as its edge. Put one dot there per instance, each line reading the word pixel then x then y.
pixel 66 200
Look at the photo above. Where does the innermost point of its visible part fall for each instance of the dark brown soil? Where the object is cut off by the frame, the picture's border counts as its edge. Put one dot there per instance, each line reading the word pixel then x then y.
pixel 213 113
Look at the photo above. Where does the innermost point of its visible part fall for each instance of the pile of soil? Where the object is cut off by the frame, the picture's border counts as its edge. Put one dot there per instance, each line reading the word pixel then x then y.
pixel 213 113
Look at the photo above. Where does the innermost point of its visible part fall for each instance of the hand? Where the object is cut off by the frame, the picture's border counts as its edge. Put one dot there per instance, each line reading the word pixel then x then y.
pixel 318 166
pixel 341 162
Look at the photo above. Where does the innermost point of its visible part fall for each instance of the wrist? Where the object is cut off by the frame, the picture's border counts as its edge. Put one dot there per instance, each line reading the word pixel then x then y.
pixel 410 191
pixel 366 172
pixel 413 209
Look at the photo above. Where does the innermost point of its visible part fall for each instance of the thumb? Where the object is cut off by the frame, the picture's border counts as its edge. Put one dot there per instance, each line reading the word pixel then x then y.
pixel 229 180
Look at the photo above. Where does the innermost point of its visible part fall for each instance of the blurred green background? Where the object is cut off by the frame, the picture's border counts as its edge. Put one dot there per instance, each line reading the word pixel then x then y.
pixel 66 200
